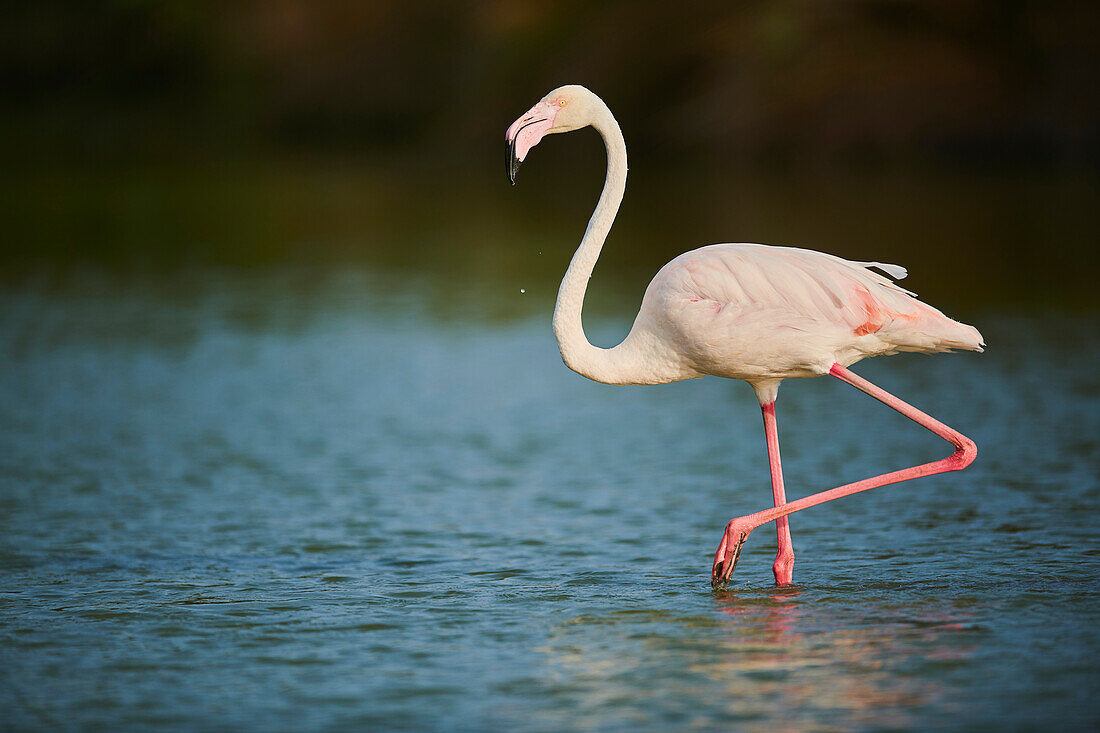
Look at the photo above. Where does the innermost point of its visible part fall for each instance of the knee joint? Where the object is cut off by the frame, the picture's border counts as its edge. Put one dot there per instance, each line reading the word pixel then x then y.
pixel 965 453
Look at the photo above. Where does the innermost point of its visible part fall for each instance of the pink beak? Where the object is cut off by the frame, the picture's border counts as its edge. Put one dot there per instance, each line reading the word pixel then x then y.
pixel 525 133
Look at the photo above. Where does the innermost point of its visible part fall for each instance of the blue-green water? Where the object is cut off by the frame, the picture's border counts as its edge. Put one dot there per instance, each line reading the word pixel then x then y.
pixel 295 498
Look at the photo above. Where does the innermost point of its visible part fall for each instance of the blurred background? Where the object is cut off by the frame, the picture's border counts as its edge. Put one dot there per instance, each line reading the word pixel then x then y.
pixel 959 138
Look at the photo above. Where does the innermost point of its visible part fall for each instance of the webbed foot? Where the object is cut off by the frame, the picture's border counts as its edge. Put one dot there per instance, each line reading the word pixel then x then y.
pixel 729 552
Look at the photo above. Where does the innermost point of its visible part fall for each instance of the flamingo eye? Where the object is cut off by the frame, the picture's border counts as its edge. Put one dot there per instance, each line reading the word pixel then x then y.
pixel 561 102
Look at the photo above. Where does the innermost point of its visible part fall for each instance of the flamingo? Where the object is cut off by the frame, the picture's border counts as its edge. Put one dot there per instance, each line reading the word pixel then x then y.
pixel 752 312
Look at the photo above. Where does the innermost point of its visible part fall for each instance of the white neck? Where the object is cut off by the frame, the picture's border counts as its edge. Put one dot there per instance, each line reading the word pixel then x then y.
pixel 630 362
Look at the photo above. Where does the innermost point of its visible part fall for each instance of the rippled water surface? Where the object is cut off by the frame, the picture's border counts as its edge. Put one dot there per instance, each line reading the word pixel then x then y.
pixel 298 500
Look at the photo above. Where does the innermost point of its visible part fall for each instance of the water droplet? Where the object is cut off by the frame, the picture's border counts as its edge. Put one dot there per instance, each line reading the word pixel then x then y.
pixel 523 290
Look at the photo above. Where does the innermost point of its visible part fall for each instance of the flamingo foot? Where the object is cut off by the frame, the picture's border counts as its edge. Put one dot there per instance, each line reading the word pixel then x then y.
pixel 783 568
pixel 729 551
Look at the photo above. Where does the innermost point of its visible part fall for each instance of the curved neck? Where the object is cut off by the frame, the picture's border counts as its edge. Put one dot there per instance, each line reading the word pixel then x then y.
pixel 577 353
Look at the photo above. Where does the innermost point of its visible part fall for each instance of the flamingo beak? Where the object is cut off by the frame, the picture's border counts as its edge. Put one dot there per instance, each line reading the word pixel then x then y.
pixel 524 134
pixel 513 161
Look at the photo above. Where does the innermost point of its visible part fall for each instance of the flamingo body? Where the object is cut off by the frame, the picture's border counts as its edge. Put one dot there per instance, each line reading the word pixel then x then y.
pixel 762 314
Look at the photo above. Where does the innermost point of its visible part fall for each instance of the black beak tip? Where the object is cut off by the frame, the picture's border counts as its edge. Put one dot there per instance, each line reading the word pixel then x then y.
pixel 513 161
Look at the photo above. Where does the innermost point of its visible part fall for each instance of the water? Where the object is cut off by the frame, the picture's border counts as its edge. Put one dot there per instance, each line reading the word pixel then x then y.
pixel 287 489
pixel 285 501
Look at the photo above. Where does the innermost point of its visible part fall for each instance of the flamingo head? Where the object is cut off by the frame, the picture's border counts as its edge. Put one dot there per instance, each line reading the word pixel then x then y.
pixel 565 109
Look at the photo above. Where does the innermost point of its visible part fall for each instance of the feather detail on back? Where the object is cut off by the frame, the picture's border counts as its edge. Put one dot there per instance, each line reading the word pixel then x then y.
pixel 895 271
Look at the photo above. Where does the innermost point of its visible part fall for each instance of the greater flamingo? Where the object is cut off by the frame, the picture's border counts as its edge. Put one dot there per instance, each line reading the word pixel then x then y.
pixel 753 312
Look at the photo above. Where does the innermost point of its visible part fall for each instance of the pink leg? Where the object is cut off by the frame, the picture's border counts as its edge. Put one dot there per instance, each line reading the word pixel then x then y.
pixel 783 568
pixel 737 530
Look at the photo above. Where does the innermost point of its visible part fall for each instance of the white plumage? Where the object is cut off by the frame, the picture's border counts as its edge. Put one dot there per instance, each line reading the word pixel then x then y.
pixel 755 312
